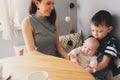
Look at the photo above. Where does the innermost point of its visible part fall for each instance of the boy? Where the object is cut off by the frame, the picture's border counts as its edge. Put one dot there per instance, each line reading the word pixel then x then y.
pixel 86 54
pixel 101 26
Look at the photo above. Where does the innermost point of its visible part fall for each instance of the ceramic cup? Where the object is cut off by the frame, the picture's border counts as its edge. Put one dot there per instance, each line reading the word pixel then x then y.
pixel 39 75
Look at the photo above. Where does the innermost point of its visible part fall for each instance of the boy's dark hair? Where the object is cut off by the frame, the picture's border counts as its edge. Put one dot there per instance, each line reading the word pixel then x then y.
pixel 102 17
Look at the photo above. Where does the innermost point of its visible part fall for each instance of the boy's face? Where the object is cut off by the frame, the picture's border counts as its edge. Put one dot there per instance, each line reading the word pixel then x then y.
pixel 100 31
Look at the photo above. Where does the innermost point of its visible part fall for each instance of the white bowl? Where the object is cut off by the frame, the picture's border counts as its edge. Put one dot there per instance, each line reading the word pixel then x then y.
pixel 38 75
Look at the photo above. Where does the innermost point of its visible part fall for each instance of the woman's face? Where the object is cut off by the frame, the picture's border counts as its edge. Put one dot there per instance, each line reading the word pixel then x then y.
pixel 45 7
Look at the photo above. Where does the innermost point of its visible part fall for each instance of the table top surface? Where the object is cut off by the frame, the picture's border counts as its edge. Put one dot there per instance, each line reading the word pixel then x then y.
pixel 58 69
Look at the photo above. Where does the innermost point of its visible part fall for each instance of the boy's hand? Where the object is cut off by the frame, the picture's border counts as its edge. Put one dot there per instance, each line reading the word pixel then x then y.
pixel 91 69
pixel 88 69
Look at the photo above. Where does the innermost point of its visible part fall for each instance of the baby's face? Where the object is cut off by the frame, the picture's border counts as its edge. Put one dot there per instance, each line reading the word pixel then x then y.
pixel 89 49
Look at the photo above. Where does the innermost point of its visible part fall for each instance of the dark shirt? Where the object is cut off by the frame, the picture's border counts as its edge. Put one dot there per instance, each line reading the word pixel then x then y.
pixel 109 47
pixel 44 34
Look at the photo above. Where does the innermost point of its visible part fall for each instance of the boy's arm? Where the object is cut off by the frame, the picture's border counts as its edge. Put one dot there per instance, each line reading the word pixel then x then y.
pixel 104 63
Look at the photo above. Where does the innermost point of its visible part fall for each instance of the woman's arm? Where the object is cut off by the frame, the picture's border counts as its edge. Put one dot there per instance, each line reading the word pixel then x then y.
pixel 28 37
pixel 58 44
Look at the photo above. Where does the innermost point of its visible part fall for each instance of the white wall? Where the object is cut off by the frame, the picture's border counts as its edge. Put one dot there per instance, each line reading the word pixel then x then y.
pixel 6 46
pixel 63 10
pixel 87 8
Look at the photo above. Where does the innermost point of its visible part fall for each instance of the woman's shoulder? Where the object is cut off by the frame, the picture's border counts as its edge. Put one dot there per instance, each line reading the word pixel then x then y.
pixel 26 19
pixel 26 23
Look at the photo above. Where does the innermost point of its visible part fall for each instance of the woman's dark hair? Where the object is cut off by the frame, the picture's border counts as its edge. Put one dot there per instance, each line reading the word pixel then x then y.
pixel 33 8
pixel 102 17
pixel 52 17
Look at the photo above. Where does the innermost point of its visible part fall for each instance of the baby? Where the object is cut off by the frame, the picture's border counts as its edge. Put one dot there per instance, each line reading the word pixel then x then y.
pixel 86 54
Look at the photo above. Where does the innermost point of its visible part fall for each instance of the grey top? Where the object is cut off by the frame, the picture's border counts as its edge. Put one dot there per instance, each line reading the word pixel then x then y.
pixel 44 34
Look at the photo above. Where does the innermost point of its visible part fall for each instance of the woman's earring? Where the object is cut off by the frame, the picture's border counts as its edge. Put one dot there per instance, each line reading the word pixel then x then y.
pixel 38 8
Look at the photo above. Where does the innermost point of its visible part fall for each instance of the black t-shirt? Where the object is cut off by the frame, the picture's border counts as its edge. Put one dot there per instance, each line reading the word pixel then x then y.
pixel 109 47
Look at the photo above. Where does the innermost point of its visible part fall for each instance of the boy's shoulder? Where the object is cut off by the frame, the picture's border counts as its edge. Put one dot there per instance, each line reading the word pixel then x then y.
pixel 110 41
pixel 113 42
pixel 109 38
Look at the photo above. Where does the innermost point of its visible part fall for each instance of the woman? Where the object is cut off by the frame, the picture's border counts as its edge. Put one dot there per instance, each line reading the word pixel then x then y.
pixel 40 29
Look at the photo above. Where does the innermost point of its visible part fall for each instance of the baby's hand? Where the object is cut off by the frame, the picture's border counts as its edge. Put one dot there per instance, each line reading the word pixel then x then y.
pixel 73 58
pixel 69 56
pixel 78 60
